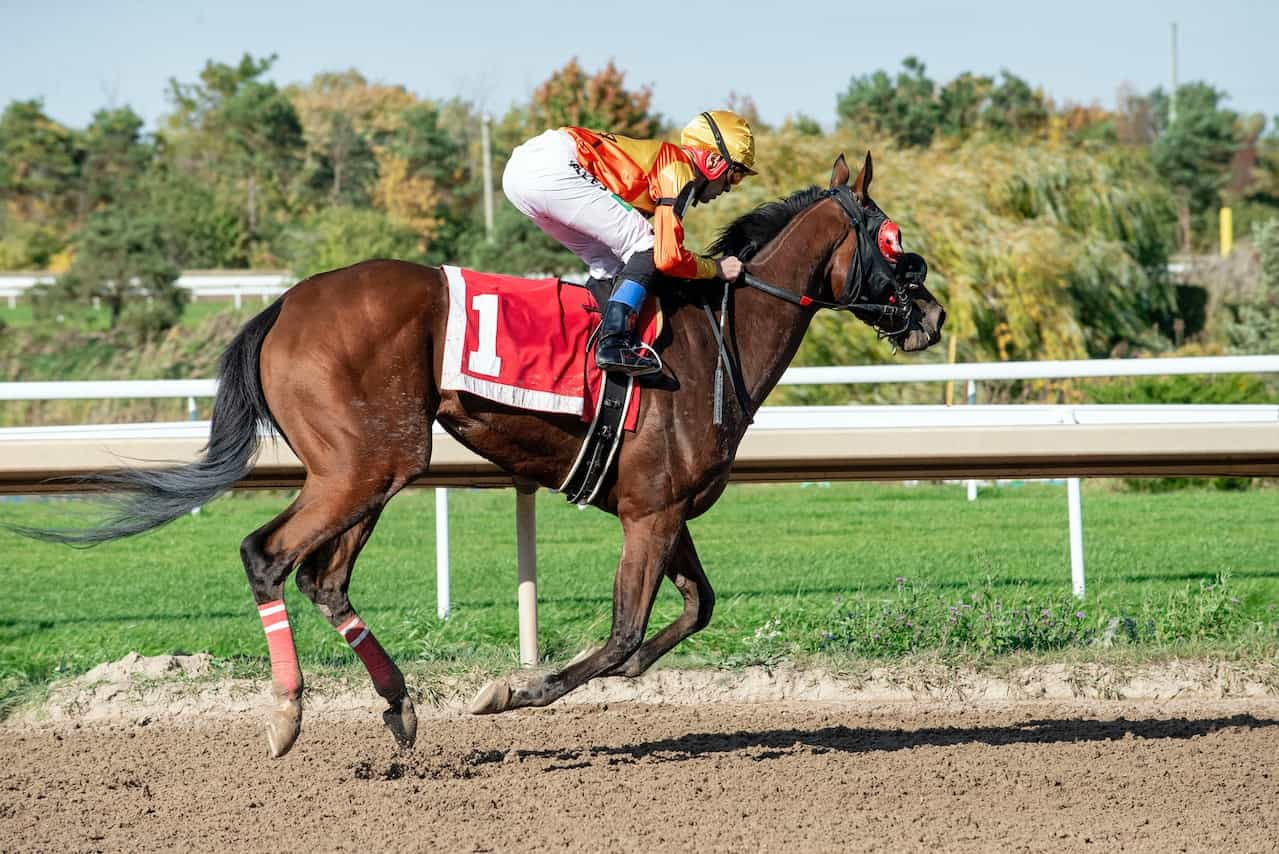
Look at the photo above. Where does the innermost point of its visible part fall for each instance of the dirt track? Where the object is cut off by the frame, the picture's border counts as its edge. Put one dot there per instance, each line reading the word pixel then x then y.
pixel 1085 775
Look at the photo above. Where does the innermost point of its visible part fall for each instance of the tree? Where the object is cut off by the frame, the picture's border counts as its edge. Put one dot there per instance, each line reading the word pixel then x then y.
pixel 913 110
pixel 1134 117
pixel 1014 106
pixel 37 164
pixel 422 184
pixel 905 107
pixel 744 106
pixel 122 261
pixel 337 237
pixel 802 124
pixel 518 248
pixel 1265 185
pixel 248 127
pixel 114 156
pixel 570 96
pixel 1254 325
pixel 201 229
pixel 962 102
pixel 346 121
pixel 345 165
pixel 1193 152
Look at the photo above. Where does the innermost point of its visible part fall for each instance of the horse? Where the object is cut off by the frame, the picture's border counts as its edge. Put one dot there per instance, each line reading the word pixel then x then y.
pixel 346 367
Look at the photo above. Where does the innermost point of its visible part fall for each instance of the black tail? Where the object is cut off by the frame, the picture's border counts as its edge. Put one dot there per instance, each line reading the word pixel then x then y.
pixel 154 497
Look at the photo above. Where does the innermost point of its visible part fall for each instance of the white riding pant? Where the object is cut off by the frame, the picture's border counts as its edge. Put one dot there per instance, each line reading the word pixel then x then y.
pixel 546 183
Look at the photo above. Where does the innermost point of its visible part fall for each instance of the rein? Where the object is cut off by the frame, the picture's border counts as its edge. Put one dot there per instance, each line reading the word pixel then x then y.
pixel 877 315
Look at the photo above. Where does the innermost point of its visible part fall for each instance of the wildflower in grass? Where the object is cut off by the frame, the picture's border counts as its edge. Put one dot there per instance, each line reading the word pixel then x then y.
pixel 1079 615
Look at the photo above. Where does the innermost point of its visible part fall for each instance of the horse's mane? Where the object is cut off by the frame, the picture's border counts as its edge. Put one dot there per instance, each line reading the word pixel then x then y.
pixel 751 231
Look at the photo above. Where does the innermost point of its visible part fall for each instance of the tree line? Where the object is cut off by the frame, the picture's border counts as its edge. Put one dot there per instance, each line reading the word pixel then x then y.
pixel 1077 208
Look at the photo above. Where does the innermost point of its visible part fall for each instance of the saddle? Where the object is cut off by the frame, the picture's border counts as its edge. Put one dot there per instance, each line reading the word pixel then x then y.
pixel 528 343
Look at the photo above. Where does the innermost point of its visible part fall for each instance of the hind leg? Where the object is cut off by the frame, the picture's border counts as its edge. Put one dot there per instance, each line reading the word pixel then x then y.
pixel 325 578
pixel 321 512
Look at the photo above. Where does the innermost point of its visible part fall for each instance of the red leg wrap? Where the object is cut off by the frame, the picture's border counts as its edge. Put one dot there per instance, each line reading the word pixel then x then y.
pixel 386 677
pixel 285 672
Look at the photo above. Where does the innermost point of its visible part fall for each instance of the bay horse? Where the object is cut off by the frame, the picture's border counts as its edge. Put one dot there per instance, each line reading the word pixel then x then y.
pixel 346 367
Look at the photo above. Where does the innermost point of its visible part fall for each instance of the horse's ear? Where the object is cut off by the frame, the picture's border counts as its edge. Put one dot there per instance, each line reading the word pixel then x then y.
pixel 861 186
pixel 839 173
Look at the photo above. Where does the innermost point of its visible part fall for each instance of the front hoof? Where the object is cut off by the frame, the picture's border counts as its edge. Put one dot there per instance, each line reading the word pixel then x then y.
pixel 401 720
pixel 283 727
pixel 493 698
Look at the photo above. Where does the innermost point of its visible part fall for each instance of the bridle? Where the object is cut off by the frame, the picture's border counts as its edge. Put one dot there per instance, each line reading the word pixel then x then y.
pixel 888 319
pixel 868 263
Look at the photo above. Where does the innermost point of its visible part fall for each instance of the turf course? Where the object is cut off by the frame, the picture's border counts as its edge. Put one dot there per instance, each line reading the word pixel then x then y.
pixel 841 570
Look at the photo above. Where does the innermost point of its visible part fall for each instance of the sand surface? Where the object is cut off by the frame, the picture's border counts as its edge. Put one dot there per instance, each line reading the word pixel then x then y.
pixel 1189 771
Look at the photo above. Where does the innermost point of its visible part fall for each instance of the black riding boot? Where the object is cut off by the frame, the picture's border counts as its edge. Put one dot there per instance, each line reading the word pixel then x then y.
pixel 616 350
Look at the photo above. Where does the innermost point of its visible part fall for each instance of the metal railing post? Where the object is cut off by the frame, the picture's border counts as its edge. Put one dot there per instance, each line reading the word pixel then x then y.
pixel 442 552
pixel 1075 511
pixel 526 548
pixel 972 400
pixel 193 414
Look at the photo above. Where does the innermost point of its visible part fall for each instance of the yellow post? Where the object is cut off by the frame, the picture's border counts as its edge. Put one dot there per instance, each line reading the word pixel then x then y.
pixel 1227 231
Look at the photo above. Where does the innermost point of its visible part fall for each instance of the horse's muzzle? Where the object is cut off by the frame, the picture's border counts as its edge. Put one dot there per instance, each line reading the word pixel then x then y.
pixel 926 321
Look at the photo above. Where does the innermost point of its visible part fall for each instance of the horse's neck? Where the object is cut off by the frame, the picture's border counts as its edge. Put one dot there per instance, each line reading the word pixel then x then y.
pixel 769 330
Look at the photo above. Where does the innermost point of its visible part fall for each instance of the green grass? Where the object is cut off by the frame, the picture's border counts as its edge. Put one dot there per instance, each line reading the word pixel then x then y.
pixel 799 571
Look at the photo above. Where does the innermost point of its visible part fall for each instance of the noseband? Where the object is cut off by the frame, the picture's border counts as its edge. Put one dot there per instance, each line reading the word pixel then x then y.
pixel 887 320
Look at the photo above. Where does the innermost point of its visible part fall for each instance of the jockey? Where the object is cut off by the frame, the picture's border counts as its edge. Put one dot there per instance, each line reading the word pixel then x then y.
pixel 617 203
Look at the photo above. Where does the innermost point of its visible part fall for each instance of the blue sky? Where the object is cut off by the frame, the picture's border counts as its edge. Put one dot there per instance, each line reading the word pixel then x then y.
pixel 80 56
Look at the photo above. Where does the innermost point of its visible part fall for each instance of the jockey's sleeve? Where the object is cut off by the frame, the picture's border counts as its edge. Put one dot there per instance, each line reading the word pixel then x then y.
pixel 671 189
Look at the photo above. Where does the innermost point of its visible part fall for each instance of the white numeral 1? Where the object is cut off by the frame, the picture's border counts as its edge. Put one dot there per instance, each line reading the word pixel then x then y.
pixel 484 359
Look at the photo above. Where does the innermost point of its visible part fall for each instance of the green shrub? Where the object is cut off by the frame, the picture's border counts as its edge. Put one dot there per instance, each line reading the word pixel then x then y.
pixel 338 237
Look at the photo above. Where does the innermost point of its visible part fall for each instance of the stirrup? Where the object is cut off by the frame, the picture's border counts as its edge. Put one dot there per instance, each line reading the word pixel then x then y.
pixel 632 370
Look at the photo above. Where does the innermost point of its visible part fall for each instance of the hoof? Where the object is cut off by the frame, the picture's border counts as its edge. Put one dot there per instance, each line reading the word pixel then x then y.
pixel 401 720
pixel 493 698
pixel 283 727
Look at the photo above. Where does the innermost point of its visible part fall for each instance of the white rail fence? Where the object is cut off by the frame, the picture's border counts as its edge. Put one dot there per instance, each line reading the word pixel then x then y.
pixel 236 284
pixel 805 443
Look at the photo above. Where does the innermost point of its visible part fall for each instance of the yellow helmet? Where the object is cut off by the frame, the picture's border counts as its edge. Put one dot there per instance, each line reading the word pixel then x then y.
pixel 726 133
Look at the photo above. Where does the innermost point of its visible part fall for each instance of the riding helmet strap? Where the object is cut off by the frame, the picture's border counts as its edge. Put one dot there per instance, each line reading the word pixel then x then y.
pixel 719 140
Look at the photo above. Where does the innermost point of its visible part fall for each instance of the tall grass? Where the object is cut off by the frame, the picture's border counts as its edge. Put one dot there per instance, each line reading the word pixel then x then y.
pixel 1039 250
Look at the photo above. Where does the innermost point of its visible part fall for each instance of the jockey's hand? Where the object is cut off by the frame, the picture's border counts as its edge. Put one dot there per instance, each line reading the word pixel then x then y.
pixel 728 268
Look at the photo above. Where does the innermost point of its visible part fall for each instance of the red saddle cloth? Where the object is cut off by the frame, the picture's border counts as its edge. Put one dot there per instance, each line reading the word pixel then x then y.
pixel 522 342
